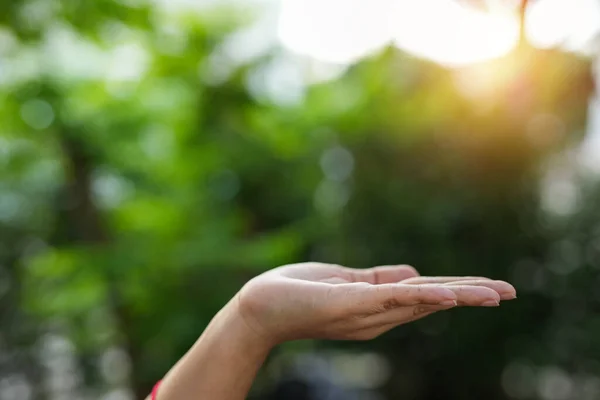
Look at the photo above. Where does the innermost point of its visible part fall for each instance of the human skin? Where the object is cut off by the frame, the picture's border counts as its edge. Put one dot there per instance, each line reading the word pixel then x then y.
pixel 313 301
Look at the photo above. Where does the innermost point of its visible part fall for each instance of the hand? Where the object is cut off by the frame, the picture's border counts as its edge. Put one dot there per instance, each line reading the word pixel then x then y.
pixel 324 301
pixel 312 300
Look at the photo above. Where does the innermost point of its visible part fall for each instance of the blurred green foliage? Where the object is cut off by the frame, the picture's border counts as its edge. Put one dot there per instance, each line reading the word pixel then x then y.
pixel 132 209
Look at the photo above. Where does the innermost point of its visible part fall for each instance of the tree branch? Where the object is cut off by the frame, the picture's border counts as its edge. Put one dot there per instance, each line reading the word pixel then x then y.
pixel 522 23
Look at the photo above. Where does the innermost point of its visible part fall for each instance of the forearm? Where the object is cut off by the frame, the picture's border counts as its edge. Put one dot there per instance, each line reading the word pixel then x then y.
pixel 221 365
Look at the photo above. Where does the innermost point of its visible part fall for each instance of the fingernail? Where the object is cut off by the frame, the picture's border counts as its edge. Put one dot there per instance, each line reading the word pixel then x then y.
pixel 449 303
pixel 491 303
pixel 508 296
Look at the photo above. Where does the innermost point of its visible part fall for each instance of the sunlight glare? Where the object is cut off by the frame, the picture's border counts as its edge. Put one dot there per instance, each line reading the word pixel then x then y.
pixel 453 35
pixel 335 31
pixel 555 22
pixel 442 31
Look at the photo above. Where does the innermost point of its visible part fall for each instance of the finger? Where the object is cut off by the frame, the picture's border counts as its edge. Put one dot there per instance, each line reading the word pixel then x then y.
pixel 383 274
pixel 404 315
pixel 468 295
pixel 504 289
pixel 365 299
pixel 379 324
pixel 422 280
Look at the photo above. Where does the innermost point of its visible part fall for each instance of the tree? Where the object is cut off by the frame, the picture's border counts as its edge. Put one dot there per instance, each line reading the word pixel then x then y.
pixel 133 208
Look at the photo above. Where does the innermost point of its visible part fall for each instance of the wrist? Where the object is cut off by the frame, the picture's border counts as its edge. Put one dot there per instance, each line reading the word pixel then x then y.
pixel 230 326
pixel 221 364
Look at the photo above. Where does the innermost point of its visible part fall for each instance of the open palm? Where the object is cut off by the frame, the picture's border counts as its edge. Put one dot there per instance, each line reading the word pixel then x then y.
pixel 324 301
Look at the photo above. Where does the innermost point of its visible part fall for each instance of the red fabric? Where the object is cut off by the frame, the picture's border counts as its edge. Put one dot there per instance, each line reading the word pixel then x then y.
pixel 155 390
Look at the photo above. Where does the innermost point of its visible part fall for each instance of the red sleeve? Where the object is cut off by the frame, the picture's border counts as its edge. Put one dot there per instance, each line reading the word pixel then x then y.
pixel 155 390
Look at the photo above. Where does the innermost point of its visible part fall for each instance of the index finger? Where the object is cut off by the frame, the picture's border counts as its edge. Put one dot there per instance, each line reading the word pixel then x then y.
pixel 366 298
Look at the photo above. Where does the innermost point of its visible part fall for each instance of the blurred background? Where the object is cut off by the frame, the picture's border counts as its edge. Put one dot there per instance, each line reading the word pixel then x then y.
pixel 157 154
